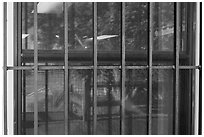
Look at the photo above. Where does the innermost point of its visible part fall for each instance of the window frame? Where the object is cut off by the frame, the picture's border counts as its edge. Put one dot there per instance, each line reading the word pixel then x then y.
pixel 18 66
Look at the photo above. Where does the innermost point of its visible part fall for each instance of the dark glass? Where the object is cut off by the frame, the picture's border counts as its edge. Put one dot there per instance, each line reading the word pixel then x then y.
pixel 109 29
pixel 188 49
pixel 50 102
pixel 80 33
pixel 80 93
pixel 27 25
pixel 136 33
pixel 188 85
pixel 136 102
pixel 163 33
pixel 50 25
pixel 162 102
pixel 108 102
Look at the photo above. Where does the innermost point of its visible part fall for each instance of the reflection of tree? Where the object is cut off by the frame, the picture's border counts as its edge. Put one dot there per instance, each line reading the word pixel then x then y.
pixel 51 26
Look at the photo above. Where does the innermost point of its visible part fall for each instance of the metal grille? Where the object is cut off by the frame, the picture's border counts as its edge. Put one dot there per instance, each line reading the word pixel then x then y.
pixel 123 67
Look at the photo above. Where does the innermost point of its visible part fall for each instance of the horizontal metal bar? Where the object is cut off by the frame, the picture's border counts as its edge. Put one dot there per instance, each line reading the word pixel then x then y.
pixel 136 67
pixel 61 67
pixel 189 67
pixel 51 67
pixel 21 68
pixel 163 67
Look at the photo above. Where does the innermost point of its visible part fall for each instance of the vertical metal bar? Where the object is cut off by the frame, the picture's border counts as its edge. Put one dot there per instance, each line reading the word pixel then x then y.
pixel 5 68
pixel 123 72
pixel 46 101
pixel 19 72
pixel 35 71
pixel 95 69
pixel 15 83
pixel 150 46
pixel 177 50
pixel 26 23
pixel 200 76
pixel 66 101
pixel 191 61
pixel 24 101
pixel 109 104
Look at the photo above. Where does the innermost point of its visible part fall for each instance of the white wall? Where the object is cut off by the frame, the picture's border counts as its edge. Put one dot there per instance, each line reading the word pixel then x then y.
pixel 10 98
pixel 1 70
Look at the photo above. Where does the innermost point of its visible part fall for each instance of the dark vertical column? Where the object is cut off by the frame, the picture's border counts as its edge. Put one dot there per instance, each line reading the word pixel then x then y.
pixel 150 46
pixel 88 103
pixel 177 50
pixel 35 71
pixel 46 101
pixel 26 26
pixel 5 68
pixel 24 101
pixel 95 69
pixel 123 72
pixel 66 99
pixel 110 85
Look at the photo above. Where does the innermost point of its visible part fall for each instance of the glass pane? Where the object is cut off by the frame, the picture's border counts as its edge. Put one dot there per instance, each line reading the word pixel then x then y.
pixel 80 33
pixel 50 102
pixel 136 32
pixel 80 102
pixel 27 25
pixel 162 102
pixel 136 102
pixel 188 85
pixel 108 102
pixel 188 49
pixel 163 36
pixel 108 37
pixel 50 26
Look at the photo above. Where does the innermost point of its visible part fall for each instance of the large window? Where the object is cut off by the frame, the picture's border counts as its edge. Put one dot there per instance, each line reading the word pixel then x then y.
pixel 106 68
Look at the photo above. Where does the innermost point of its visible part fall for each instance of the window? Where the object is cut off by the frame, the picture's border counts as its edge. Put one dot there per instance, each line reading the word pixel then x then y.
pixel 106 68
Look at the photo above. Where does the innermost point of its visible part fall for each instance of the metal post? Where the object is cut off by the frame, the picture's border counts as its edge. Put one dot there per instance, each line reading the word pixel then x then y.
pixel 66 101
pixel 5 68
pixel 95 69
pixel 177 50
pixel 123 72
pixel 35 71
pixel 150 46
